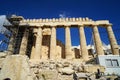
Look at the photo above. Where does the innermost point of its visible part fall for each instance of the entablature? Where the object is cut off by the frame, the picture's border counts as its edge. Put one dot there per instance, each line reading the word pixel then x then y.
pixel 61 22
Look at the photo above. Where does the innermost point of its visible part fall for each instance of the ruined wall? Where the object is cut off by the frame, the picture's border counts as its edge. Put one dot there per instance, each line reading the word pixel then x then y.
pixel 60 48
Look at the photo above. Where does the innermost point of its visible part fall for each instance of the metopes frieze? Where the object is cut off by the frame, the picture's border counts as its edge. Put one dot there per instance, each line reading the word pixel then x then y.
pixel 63 22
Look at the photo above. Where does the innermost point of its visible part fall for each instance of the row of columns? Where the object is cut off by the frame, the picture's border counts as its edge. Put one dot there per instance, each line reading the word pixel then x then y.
pixel 84 51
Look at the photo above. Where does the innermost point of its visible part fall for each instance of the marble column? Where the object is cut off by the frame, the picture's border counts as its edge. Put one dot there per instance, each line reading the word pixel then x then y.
pixel 113 42
pixel 33 46
pixel 83 45
pixel 67 43
pixel 38 44
pixel 32 52
pixel 11 45
pixel 23 47
pixel 53 43
pixel 97 41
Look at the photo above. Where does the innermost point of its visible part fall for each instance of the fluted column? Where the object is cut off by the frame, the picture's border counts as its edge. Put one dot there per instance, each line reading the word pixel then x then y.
pixel 113 42
pixel 67 43
pixel 97 40
pixel 53 43
pixel 23 47
pixel 32 52
pixel 38 44
pixel 33 46
pixel 83 45
pixel 11 45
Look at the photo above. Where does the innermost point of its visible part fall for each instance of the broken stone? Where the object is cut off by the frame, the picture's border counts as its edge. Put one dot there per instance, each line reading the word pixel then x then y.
pixel 16 67
pixel 66 64
pixel 36 70
pixel 59 65
pixel 3 55
pixel 76 68
pixel 48 75
pixel 52 66
pixel 67 71
pixel 81 69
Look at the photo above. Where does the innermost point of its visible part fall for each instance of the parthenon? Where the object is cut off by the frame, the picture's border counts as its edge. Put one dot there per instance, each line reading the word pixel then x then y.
pixel 37 54
pixel 38 33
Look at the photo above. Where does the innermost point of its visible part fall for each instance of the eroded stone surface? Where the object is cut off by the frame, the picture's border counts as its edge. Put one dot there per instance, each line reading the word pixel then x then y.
pixel 3 54
pixel 15 67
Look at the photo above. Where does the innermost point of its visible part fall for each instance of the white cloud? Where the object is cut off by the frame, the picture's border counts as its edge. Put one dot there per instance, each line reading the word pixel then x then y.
pixel 3 21
pixel 105 47
pixel 63 14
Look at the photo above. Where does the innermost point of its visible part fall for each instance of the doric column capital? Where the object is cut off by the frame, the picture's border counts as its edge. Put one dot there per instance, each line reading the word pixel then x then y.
pixel 67 26
pixel 81 25
pixel 53 26
pixel 94 25
pixel 109 25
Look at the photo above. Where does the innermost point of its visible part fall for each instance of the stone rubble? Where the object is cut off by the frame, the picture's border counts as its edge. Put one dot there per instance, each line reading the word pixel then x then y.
pixel 19 67
pixel 62 69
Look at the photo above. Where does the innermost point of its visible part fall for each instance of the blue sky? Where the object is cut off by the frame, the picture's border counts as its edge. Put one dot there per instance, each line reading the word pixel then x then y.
pixel 94 9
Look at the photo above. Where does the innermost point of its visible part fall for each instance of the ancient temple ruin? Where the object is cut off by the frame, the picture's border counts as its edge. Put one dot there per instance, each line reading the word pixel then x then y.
pixel 37 37
pixel 49 58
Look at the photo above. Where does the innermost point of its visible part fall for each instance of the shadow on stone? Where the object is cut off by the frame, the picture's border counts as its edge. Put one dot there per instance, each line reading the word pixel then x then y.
pixel 7 79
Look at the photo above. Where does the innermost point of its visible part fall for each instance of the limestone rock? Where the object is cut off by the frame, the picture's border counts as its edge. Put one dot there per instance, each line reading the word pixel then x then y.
pixel 91 68
pixel 34 64
pixel 59 65
pixel 76 67
pixel 52 66
pixel 65 77
pixel 81 69
pixel 35 70
pixel 15 67
pixel 1 60
pixel 59 70
pixel 67 70
pixel 66 64
pixel 3 55
pixel 48 75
